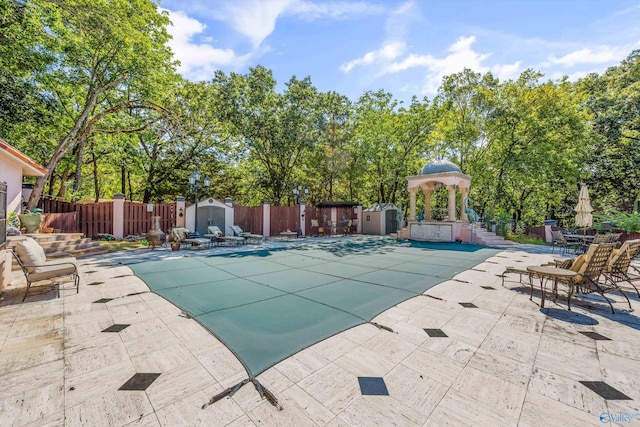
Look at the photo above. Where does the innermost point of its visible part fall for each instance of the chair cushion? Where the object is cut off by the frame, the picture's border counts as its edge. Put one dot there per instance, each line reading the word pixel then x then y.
pixel 179 234
pixel 577 264
pixel 214 231
pixel 30 253
pixel 54 268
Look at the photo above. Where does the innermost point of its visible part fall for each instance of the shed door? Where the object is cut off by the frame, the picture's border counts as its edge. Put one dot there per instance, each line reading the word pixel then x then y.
pixel 211 215
pixel 391 221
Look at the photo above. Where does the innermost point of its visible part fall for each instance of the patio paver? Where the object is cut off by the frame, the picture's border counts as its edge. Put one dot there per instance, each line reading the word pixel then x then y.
pixel 506 362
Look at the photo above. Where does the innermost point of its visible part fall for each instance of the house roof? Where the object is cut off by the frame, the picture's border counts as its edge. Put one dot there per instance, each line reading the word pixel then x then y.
pixel 28 165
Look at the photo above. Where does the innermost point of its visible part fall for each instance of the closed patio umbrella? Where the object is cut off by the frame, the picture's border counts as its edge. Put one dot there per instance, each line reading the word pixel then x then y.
pixel 583 209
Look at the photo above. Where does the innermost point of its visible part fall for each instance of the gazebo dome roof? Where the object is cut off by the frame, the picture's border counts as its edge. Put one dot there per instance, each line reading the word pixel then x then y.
pixel 439 166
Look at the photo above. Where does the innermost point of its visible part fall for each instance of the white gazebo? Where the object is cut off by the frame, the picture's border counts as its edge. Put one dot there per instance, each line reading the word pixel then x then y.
pixel 430 177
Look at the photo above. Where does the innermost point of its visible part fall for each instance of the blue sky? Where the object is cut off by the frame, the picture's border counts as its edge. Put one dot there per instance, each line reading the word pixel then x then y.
pixel 402 46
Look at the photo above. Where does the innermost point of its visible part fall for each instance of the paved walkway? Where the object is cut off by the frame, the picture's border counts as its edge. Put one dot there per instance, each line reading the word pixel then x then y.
pixel 503 362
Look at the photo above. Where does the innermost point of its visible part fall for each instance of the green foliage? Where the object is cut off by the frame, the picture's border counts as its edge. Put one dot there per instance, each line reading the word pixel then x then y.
pixel 13 220
pixel 625 221
pixel 523 238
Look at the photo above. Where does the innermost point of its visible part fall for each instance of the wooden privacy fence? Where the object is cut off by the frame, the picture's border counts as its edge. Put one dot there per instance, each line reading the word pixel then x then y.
pixel 284 218
pixel 92 219
pixel 137 220
pixel 95 218
pixel 249 218
pixel 66 222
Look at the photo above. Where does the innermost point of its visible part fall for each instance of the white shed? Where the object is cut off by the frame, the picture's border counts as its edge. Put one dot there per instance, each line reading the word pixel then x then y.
pixel 210 212
pixel 381 219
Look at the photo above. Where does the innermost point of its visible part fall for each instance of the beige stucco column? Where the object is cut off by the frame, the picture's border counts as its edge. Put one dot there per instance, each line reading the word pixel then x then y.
pixel 463 214
pixel 451 190
pixel 266 218
pixel 412 204
pixel 427 203
pixel 181 212
pixel 118 216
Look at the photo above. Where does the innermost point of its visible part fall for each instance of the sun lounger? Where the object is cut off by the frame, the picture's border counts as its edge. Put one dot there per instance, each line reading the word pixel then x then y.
pixel 237 231
pixel 216 235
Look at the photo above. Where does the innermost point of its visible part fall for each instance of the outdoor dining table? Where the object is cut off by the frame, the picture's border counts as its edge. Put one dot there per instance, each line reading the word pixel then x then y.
pixel 583 241
pixel 545 272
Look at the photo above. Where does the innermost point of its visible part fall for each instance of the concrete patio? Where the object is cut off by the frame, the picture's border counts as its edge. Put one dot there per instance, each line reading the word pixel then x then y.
pixel 503 362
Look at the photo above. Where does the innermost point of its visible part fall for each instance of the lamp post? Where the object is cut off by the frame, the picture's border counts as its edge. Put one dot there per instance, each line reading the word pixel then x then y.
pixel 194 184
pixel 297 197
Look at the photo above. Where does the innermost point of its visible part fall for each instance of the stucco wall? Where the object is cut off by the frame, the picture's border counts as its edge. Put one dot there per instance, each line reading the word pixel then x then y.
pixel 11 173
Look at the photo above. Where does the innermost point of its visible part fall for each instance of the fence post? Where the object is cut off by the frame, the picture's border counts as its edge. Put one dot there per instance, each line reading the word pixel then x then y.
pixel 266 218
pixel 334 220
pixel 118 215
pixel 180 212
pixel 359 219
pixel 302 227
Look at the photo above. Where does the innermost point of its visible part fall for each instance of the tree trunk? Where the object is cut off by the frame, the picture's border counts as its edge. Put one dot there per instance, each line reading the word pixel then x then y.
pixel 123 182
pixel 78 175
pixel 96 184
pixel 63 183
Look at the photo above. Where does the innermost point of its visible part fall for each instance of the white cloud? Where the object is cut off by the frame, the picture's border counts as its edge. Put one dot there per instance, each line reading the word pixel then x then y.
pixel 387 52
pixel 197 60
pixel 507 71
pixel 599 55
pixel 396 29
pixel 255 19
pixel 461 56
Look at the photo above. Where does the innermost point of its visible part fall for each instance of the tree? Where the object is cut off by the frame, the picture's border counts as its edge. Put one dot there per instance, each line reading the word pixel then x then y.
pixel 613 103
pixel 107 56
pixel 276 130
pixel 461 105
pixel 534 148
pixel 388 140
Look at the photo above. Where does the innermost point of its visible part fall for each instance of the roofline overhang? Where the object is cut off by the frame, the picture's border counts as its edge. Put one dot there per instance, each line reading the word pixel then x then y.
pixel 29 166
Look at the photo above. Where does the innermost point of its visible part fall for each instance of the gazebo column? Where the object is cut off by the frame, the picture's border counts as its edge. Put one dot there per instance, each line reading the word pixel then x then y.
pixel 463 213
pixel 427 203
pixel 412 204
pixel 451 189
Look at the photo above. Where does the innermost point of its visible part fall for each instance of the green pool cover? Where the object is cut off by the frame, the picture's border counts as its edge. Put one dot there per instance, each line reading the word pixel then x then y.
pixel 267 305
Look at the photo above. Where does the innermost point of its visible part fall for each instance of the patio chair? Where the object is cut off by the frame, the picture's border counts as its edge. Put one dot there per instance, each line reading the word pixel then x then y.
pixel 237 231
pixel 590 267
pixel 347 227
pixel 36 268
pixel 618 269
pixel 558 239
pixel 216 235
pixel 179 235
pixel 314 227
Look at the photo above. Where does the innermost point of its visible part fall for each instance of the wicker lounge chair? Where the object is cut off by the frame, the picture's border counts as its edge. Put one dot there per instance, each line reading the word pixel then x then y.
pixel 619 268
pixel 590 267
